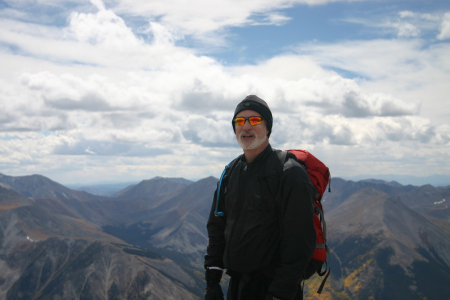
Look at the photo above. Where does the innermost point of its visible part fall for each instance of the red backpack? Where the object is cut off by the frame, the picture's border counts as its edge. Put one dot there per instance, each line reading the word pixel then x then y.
pixel 319 174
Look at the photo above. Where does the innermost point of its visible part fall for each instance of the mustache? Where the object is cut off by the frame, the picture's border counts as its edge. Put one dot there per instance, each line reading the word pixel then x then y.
pixel 247 132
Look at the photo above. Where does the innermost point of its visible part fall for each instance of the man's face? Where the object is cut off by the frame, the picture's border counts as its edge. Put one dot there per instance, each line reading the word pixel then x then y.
pixel 251 136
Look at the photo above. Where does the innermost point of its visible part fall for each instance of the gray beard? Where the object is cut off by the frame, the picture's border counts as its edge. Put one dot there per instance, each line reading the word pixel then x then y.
pixel 258 141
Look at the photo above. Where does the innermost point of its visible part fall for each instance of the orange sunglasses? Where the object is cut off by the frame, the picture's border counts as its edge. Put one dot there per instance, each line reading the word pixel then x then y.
pixel 252 120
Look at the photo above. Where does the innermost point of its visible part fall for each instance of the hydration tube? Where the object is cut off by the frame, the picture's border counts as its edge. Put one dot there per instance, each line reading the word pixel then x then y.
pixel 216 212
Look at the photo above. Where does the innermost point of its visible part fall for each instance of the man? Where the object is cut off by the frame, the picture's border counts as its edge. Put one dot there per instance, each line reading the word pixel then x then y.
pixel 266 236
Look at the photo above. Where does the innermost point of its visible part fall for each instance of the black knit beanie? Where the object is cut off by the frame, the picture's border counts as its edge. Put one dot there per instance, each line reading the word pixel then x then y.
pixel 257 104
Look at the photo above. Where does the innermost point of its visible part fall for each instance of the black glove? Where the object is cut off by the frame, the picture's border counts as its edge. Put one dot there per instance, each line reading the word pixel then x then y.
pixel 214 292
pixel 213 289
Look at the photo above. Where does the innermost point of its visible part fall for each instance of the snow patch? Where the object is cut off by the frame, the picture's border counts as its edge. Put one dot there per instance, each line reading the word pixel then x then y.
pixel 439 202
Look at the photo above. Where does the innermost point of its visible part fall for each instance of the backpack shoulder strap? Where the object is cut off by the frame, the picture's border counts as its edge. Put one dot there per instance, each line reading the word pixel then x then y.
pixel 275 166
pixel 223 182
pixel 273 171
pixel 282 156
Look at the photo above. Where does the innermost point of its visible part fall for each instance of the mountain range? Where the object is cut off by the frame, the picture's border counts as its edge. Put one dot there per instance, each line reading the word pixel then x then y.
pixel 147 241
pixel 436 180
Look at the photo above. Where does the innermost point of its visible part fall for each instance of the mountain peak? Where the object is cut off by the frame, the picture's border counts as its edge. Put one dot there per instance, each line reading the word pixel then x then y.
pixel 160 187
pixel 379 181
pixel 388 222
pixel 38 186
pixel 361 213
pixel 173 179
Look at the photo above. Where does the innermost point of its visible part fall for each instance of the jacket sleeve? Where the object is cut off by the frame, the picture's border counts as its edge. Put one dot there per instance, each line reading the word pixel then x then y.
pixel 298 240
pixel 216 237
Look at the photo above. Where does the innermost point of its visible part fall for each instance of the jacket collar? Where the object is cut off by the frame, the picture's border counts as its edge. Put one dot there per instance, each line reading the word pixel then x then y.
pixel 261 157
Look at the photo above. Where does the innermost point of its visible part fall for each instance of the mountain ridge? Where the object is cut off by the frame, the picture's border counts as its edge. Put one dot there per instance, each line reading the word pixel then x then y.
pixel 38 186
pixel 437 180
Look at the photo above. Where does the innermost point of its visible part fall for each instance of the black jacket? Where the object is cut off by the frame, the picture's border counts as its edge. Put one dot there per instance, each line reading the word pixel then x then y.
pixel 268 223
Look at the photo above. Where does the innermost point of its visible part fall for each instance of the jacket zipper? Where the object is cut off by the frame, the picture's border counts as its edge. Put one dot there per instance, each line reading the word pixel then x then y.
pixel 241 199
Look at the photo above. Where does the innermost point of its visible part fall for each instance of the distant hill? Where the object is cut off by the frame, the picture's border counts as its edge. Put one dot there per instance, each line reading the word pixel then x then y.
pixel 38 186
pixel 434 180
pixel 116 189
pixel 102 189
pixel 155 187
pixel 176 179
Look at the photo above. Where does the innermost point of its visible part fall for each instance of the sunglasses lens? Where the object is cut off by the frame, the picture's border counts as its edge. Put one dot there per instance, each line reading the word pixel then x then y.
pixel 239 121
pixel 255 120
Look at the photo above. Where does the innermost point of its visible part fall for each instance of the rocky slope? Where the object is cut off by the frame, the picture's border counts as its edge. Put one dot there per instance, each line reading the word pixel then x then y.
pixel 48 255
pixel 175 226
pixel 79 269
pixel 432 202
pixel 384 250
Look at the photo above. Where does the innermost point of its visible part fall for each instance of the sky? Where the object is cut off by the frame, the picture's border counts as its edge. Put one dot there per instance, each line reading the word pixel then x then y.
pixel 126 90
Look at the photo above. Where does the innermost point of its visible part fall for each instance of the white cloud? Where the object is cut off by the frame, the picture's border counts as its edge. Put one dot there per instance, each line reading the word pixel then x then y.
pixel 419 16
pixel 99 4
pixel 98 39
pixel 271 19
pixel 212 131
pixel 189 17
pixel 407 70
pixel 373 59
pixel 445 27
pixel 103 28
pixel 430 17
pixel 407 14
pixel 406 29
pixel 13 13
pixel 407 24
